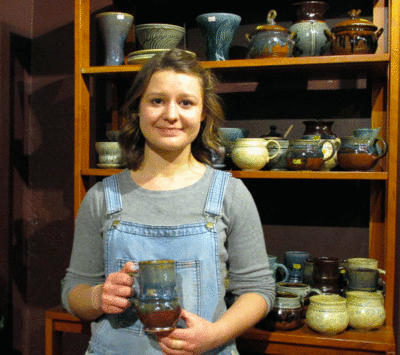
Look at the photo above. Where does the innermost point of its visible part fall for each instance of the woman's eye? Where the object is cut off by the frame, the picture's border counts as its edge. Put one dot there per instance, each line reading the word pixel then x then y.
pixel 156 101
pixel 187 103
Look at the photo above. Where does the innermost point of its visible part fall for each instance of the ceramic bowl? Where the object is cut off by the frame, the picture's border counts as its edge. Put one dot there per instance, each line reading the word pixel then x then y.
pixel 159 36
pixel 110 154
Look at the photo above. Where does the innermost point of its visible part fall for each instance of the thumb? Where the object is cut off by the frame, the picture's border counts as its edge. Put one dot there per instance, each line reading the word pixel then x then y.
pixel 130 268
pixel 188 317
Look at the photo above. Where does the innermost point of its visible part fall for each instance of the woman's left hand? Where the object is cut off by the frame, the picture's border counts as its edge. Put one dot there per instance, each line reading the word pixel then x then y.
pixel 198 337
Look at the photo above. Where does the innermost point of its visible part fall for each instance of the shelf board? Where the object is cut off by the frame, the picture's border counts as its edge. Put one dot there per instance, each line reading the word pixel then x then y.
pixel 323 175
pixel 380 340
pixel 371 64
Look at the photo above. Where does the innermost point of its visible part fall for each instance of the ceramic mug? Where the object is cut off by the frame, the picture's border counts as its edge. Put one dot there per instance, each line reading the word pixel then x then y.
pixel 274 266
pixel 364 262
pixel 294 261
pixel 363 279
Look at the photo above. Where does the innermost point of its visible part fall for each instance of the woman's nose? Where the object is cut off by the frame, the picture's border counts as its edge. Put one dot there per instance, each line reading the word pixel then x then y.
pixel 171 111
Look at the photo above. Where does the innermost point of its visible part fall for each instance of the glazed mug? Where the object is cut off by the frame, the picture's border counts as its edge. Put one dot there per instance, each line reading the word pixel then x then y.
pixel 326 274
pixel 156 303
pixel 363 279
pixel 275 265
pixel 364 262
pixel 294 261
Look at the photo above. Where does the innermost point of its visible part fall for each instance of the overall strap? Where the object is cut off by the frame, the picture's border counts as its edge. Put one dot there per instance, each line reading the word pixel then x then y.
pixel 216 193
pixel 112 195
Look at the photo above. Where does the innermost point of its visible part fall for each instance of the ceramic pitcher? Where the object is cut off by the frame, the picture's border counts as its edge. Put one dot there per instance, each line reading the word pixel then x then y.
pixel 157 302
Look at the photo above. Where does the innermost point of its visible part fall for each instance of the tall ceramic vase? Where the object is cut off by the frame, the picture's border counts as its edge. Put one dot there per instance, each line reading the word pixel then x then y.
pixel 218 30
pixel 309 26
pixel 114 27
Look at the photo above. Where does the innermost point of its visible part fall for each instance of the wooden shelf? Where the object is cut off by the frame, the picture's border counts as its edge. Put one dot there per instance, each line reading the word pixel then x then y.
pixel 373 65
pixel 323 175
pixel 348 342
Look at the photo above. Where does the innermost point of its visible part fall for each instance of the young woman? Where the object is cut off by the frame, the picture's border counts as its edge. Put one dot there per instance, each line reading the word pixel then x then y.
pixel 169 204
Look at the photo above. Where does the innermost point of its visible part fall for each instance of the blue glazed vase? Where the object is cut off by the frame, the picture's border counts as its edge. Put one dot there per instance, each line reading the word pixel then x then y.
pixel 114 27
pixel 309 26
pixel 218 30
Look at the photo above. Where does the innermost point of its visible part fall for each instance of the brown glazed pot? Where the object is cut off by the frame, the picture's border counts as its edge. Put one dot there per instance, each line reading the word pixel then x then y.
pixel 354 36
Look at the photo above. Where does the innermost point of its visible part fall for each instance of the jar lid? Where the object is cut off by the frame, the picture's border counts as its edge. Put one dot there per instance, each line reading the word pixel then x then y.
pixel 271 24
pixel 354 23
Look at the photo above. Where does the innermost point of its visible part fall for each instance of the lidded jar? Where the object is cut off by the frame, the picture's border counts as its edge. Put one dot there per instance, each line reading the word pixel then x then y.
pixel 270 40
pixel 366 310
pixel 354 36
pixel 327 314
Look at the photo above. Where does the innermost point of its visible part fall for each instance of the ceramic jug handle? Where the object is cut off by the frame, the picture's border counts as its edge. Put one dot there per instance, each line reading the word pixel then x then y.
pixel 277 144
pixel 286 271
pixel 333 149
pixel 384 145
pixel 135 286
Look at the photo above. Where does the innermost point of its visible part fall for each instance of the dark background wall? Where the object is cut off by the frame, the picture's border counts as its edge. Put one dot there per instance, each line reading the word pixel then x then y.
pixel 36 164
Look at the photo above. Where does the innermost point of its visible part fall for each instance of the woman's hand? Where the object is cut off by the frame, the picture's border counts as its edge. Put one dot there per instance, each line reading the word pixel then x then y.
pixel 198 337
pixel 117 289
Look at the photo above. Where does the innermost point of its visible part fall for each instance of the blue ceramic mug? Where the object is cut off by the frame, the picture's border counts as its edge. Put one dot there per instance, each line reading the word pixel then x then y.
pixel 294 261
pixel 275 265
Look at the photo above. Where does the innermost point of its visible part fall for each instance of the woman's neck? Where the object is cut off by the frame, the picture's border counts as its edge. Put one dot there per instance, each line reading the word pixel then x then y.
pixel 168 172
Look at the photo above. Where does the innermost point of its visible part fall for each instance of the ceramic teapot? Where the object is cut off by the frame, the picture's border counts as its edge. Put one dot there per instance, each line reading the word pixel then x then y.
pixel 360 154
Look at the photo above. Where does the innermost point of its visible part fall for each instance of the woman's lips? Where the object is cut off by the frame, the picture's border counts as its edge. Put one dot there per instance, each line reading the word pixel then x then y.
pixel 170 131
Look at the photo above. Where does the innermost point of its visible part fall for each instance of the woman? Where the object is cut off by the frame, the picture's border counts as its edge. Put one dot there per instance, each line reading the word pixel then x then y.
pixel 169 204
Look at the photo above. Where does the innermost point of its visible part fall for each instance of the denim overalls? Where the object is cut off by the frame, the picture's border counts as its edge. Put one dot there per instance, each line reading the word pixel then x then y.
pixel 193 246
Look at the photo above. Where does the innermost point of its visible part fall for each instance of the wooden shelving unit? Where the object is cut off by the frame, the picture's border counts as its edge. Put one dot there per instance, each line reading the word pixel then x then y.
pixel 383 71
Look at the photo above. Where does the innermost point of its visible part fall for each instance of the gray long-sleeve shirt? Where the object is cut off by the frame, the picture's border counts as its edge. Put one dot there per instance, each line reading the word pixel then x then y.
pixel 240 235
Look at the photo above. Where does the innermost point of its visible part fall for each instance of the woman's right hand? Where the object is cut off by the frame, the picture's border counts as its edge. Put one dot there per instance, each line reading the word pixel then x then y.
pixel 117 289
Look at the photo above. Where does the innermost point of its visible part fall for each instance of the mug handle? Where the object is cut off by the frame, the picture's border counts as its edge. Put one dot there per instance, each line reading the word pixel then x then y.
pixel 277 144
pixel 286 277
pixel 333 149
pixel 384 146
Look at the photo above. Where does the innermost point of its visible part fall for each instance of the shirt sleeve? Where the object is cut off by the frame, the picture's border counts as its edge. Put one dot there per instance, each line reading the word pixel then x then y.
pixel 87 257
pixel 248 266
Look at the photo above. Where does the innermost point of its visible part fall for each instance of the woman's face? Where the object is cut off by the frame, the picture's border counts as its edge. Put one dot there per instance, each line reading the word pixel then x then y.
pixel 170 111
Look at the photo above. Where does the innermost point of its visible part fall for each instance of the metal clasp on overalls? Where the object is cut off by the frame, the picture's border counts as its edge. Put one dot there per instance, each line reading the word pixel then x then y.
pixel 211 220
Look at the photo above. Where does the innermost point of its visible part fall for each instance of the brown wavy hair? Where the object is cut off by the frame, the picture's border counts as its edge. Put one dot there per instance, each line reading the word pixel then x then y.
pixel 131 138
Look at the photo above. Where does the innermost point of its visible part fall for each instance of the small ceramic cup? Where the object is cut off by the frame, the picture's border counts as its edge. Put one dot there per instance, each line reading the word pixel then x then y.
pixel 110 154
